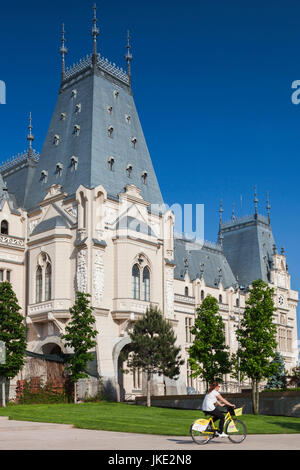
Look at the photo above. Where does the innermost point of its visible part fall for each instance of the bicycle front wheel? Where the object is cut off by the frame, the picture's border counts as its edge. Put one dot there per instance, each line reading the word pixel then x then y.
pixel 236 431
pixel 201 437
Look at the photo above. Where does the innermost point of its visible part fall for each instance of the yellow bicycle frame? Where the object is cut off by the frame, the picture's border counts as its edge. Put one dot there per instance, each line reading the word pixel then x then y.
pixel 228 417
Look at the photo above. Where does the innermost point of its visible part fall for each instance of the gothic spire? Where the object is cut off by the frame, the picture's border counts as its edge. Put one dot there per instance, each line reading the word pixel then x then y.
pixel 221 210
pixel 233 212
pixel 255 202
pixel 128 57
pixel 30 136
pixel 63 51
pixel 268 208
pixel 95 34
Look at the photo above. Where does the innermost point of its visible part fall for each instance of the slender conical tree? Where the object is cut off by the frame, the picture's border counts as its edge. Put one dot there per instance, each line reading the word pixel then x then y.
pixel 209 356
pixel 279 378
pixel 12 333
pixel 153 348
pixel 257 337
pixel 80 334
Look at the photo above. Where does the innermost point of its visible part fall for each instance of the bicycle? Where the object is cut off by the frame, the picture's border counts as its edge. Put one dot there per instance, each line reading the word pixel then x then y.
pixel 204 430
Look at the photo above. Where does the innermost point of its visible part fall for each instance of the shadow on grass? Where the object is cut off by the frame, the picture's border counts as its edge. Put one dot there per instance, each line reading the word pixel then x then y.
pixel 291 426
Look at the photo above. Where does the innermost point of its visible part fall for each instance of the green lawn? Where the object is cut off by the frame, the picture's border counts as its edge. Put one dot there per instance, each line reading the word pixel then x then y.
pixel 110 416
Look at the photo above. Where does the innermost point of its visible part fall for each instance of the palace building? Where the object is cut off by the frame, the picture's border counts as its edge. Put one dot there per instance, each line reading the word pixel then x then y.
pixel 87 214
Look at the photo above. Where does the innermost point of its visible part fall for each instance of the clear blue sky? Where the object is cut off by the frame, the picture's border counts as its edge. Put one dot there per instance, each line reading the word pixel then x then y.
pixel 212 84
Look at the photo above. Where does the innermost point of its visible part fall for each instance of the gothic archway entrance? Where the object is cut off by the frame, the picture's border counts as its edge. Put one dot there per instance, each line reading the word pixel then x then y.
pixel 129 382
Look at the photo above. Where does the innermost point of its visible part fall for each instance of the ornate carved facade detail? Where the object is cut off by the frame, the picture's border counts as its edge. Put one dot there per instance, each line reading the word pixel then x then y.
pixel 169 290
pixel 82 271
pixel 98 277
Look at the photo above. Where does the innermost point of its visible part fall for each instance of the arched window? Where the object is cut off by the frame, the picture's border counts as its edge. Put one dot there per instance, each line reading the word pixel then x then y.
pixel 186 291
pixel 202 294
pixel 135 282
pixel 237 303
pixel 220 299
pixel 39 284
pixel 4 227
pixel 48 278
pixel 146 284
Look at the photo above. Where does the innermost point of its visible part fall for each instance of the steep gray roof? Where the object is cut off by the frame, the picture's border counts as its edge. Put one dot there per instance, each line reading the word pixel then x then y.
pixel 248 246
pixel 188 256
pixel 101 105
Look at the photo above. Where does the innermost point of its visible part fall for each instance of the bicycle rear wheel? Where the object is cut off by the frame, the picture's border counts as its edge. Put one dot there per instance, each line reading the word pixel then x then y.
pixel 236 431
pixel 201 437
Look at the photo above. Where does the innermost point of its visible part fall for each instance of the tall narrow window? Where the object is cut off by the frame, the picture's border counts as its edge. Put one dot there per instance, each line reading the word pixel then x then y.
pixel 202 294
pixel 186 291
pixel 220 299
pixel 146 284
pixel 1 275
pixel 48 276
pixel 39 284
pixel 4 227
pixel 8 276
pixel 136 282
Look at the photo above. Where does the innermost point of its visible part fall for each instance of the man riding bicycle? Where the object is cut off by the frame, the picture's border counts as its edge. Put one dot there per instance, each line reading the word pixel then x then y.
pixel 208 406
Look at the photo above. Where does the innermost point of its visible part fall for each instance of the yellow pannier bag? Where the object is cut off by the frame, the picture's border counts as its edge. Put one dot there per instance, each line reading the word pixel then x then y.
pixel 238 411
pixel 200 425
pixel 231 427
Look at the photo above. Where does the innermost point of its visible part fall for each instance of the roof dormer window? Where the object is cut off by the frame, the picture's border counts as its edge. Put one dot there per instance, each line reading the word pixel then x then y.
pixel 111 162
pixel 63 116
pixel 116 93
pixel 44 176
pixel 109 109
pixel 74 163
pixel 134 141
pixel 144 176
pixel 78 108
pixel 129 170
pixel 74 93
pixel 76 129
pixel 110 131
pixel 128 118
pixel 56 139
pixel 59 169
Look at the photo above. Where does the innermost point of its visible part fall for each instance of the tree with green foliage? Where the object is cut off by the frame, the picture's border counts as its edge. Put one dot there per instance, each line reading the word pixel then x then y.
pixel 278 379
pixel 153 348
pixel 208 356
pixel 12 333
pixel 80 334
pixel 257 337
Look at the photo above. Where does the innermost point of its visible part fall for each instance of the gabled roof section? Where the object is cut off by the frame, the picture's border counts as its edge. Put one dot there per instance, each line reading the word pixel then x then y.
pixel 248 245
pixel 50 224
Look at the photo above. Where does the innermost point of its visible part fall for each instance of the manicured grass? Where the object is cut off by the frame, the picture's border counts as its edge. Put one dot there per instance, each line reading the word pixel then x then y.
pixel 122 417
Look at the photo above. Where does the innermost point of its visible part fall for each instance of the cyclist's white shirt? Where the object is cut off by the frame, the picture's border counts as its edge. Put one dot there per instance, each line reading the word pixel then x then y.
pixel 210 400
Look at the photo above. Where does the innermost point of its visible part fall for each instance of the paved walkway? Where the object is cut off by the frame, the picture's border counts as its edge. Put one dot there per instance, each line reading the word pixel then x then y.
pixel 25 435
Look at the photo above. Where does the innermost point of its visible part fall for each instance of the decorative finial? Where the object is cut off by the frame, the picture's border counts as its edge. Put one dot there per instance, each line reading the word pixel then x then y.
pixel 255 202
pixel 233 214
pixel 95 33
pixel 128 57
pixel 219 275
pixel 268 208
pixel 30 136
pixel 220 236
pixel 63 51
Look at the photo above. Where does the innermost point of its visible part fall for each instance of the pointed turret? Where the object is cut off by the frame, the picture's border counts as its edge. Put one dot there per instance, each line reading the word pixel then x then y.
pixel 95 135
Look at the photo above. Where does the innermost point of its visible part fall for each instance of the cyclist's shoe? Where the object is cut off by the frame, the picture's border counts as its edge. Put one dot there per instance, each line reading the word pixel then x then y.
pixel 221 434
